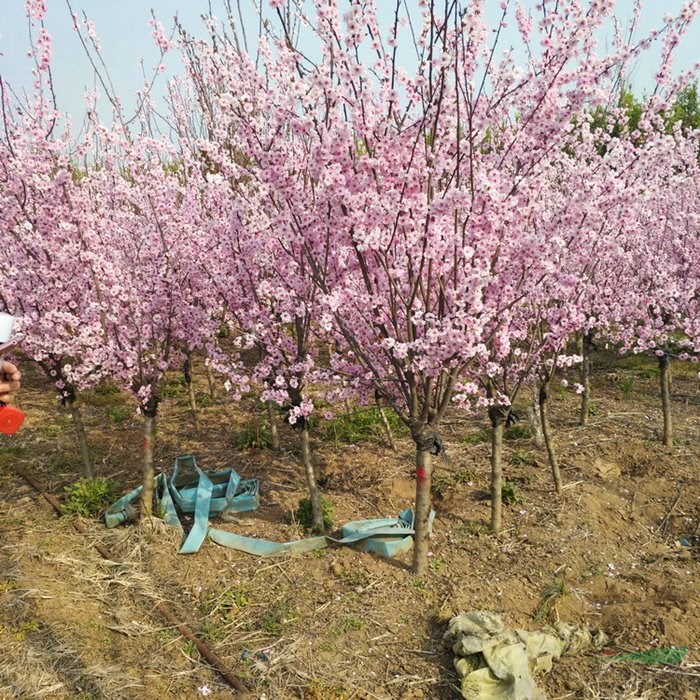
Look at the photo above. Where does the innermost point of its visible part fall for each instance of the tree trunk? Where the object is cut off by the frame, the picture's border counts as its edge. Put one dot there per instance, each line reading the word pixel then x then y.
pixel 534 420
pixel 187 372
pixel 314 492
pixel 211 381
pixel 387 428
pixel 547 434
pixel 149 436
pixel 498 417
pixel 586 346
pixel 274 433
pixel 78 425
pixel 424 474
pixel 665 380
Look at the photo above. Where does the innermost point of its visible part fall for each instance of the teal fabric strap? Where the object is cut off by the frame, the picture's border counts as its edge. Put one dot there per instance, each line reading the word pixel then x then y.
pixel 192 490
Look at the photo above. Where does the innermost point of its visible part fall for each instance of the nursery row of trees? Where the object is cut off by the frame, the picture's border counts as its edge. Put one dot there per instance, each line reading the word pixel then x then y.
pixel 440 233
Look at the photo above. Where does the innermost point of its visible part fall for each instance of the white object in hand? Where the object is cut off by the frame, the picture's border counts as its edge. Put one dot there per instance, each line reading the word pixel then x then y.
pixel 6 323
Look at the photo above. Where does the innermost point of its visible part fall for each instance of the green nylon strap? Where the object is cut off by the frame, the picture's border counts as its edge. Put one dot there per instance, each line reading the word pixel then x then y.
pixel 191 490
pixel 263 548
pixel 198 532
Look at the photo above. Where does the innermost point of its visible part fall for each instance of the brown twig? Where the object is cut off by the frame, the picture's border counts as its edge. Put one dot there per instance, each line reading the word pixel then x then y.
pixel 664 522
pixel 206 653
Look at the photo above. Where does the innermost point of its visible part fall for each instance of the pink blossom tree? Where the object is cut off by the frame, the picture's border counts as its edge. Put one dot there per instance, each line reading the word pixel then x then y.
pixel 408 188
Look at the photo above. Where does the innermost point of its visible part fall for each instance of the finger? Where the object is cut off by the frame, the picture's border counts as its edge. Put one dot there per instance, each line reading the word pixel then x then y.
pixel 7 387
pixel 8 368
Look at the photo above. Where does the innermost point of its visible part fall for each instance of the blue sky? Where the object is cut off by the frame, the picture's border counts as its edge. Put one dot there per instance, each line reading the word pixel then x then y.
pixel 127 45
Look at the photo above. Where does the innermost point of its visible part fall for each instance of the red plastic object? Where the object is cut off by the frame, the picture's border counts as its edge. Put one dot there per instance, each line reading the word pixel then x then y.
pixel 10 419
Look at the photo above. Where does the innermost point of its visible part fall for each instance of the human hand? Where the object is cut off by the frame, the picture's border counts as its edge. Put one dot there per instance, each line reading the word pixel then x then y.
pixel 9 381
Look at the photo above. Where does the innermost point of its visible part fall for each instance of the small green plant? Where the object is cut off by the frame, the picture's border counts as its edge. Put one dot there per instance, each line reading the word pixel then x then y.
pixel 362 425
pixel 436 564
pixel 321 690
pixel 355 577
pixel 173 386
pixel 89 497
pixel 211 633
pixel 518 432
pixel 547 608
pixel 648 373
pixel 204 400
pixel 119 414
pixel 469 529
pixel 352 624
pixel 277 616
pixel 304 514
pixel 441 482
pixel 592 409
pixel 26 628
pixel 255 436
pixel 464 476
pixel 509 493
pixel 476 438
pixel 627 385
pixel 227 603
pixel 103 395
pixel 51 431
pixel 523 458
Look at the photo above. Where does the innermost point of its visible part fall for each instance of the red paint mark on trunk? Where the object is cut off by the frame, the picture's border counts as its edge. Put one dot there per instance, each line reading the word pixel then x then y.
pixel 421 474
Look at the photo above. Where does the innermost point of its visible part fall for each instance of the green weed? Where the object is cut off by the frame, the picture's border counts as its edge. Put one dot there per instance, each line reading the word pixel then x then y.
pixel 119 414
pixel 477 438
pixel 464 476
pixel 551 594
pixel 51 431
pixel 441 482
pixel 509 493
pixel 277 617
pixel 523 458
pixel 204 400
pixel 26 628
pixel 304 514
pixel 103 395
pixel 89 497
pixel 255 436
pixel 173 386
pixel 322 690
pixel 351 624
pixel 362 426
pixel 436 564
pixel 627 385
pixel 517 432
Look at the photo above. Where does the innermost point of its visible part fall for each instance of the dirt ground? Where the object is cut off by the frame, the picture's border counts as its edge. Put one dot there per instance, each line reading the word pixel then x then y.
pixel 619 551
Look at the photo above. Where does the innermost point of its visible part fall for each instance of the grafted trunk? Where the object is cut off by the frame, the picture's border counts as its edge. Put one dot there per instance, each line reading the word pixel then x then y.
pixel 498 418
pixel 272 420
pixel 533 418
pixel 547 434
pixel 187 372
pixel 211 381
pixel 387 428
pixel 665 381
pixel 149 437
pixel 314 492
pixel 81 436
pixel 421 538
pixel 586 345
